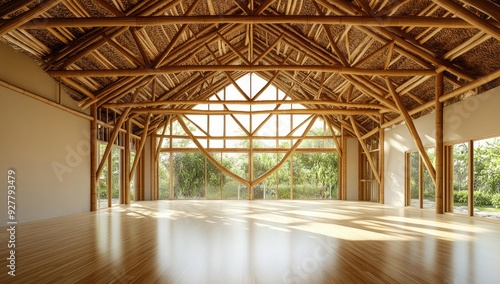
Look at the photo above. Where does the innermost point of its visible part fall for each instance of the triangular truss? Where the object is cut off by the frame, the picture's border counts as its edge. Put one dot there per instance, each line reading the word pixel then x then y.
pixel 249 117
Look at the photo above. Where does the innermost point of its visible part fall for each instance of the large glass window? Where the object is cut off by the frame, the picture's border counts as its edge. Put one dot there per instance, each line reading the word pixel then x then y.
pixel 218 156
pixel 461 178
pixel 487 178
pixel 484 188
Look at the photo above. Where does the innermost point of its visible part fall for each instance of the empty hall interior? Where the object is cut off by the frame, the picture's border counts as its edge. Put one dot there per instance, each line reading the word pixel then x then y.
pixel 249 141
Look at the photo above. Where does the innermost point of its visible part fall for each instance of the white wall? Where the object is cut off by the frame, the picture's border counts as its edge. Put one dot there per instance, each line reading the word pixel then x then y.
pixel 47 147
pixel 352 184
pixel 474 118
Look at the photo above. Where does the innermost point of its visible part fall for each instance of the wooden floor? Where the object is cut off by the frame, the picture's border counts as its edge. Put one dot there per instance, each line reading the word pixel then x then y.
pixel 256 242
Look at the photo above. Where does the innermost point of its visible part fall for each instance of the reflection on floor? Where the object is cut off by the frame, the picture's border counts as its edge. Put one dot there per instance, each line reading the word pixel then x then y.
pixel 256 242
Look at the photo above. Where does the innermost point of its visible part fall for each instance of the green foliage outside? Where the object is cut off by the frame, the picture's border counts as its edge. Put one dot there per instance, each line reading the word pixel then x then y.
pixel 486 173
pixel 428 185
pixel 481 198
pixel 487 167
pixel 115 175
pixel 315 175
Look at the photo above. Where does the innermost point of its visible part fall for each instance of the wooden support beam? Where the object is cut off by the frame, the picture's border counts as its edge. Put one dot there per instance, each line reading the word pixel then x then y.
pixel 93 160
pixel 13 6
pixel 16 22
pixel 413 131
pixel 420 182
pixel 472 85
pixel 126 168
pixel 111 141
pixel 365 149
pixel 457 92
pixel 286 156
pixel 439 145
pixel 240 68
pixel 44 100
pixel 246 102
pixel 209 156
pixel 235 112
pixel 140 149
pixel 471 178
pixel 159 60
pixel 461 12
pixel 407 179
pixel 487 7
pixel 381 167
pixel 109 179
pixel 144 21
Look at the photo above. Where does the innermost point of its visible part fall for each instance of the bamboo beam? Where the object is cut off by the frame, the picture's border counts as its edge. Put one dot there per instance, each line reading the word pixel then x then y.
pixel 109 179
pixel 286 156
pixel 209 157
pixel 93 39
pixel 471 178
pixel 159 60
pixel 413 131
pixel 420 182
pixel 13 6
pixel 44 100
pixel 267 50
pixel 487 7
pixel 461 12
pixel 126 168
pixel 407 179
pixel 245 102
pixel 263 6
pixel 331 38
pixel 145 21
pixel 234 112
pixel 365 149
pixel 448 183
pixel 93 160
pixel 16 22
pixel 472 85
pixel 115 11
pixel 457 92
pixel 381 167
pixel 439 145
pixel 111 141
pixel 142 142
pixel 241 68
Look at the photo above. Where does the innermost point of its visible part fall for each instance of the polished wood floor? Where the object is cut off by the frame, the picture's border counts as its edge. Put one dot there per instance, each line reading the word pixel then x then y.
pixel 256 242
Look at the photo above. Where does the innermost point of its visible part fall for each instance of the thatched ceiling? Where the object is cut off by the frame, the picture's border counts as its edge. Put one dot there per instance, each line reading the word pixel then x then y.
pixel 108 53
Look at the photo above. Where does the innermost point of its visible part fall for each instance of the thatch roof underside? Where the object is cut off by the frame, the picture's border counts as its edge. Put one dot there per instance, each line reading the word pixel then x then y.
pixel 110 53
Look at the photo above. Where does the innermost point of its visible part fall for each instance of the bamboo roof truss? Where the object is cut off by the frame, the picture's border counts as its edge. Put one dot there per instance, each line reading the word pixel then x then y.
pixel 154 60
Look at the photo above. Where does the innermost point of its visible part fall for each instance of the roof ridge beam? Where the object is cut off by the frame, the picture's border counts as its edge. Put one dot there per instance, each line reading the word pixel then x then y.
pixel 144 21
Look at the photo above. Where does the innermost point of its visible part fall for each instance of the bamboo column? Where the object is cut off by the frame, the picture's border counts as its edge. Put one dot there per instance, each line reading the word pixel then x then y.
pixel 110 179
pixel 126 169
pixel 93 160
pixel 439 144
pixel 448 183
pixel 154 170
pixel 381 162
pixel 420 182
pixel 140 149
pixel 407 179
pixel 471 178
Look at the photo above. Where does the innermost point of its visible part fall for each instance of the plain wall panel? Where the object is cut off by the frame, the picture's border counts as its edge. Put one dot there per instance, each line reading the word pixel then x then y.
pixel 47 147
